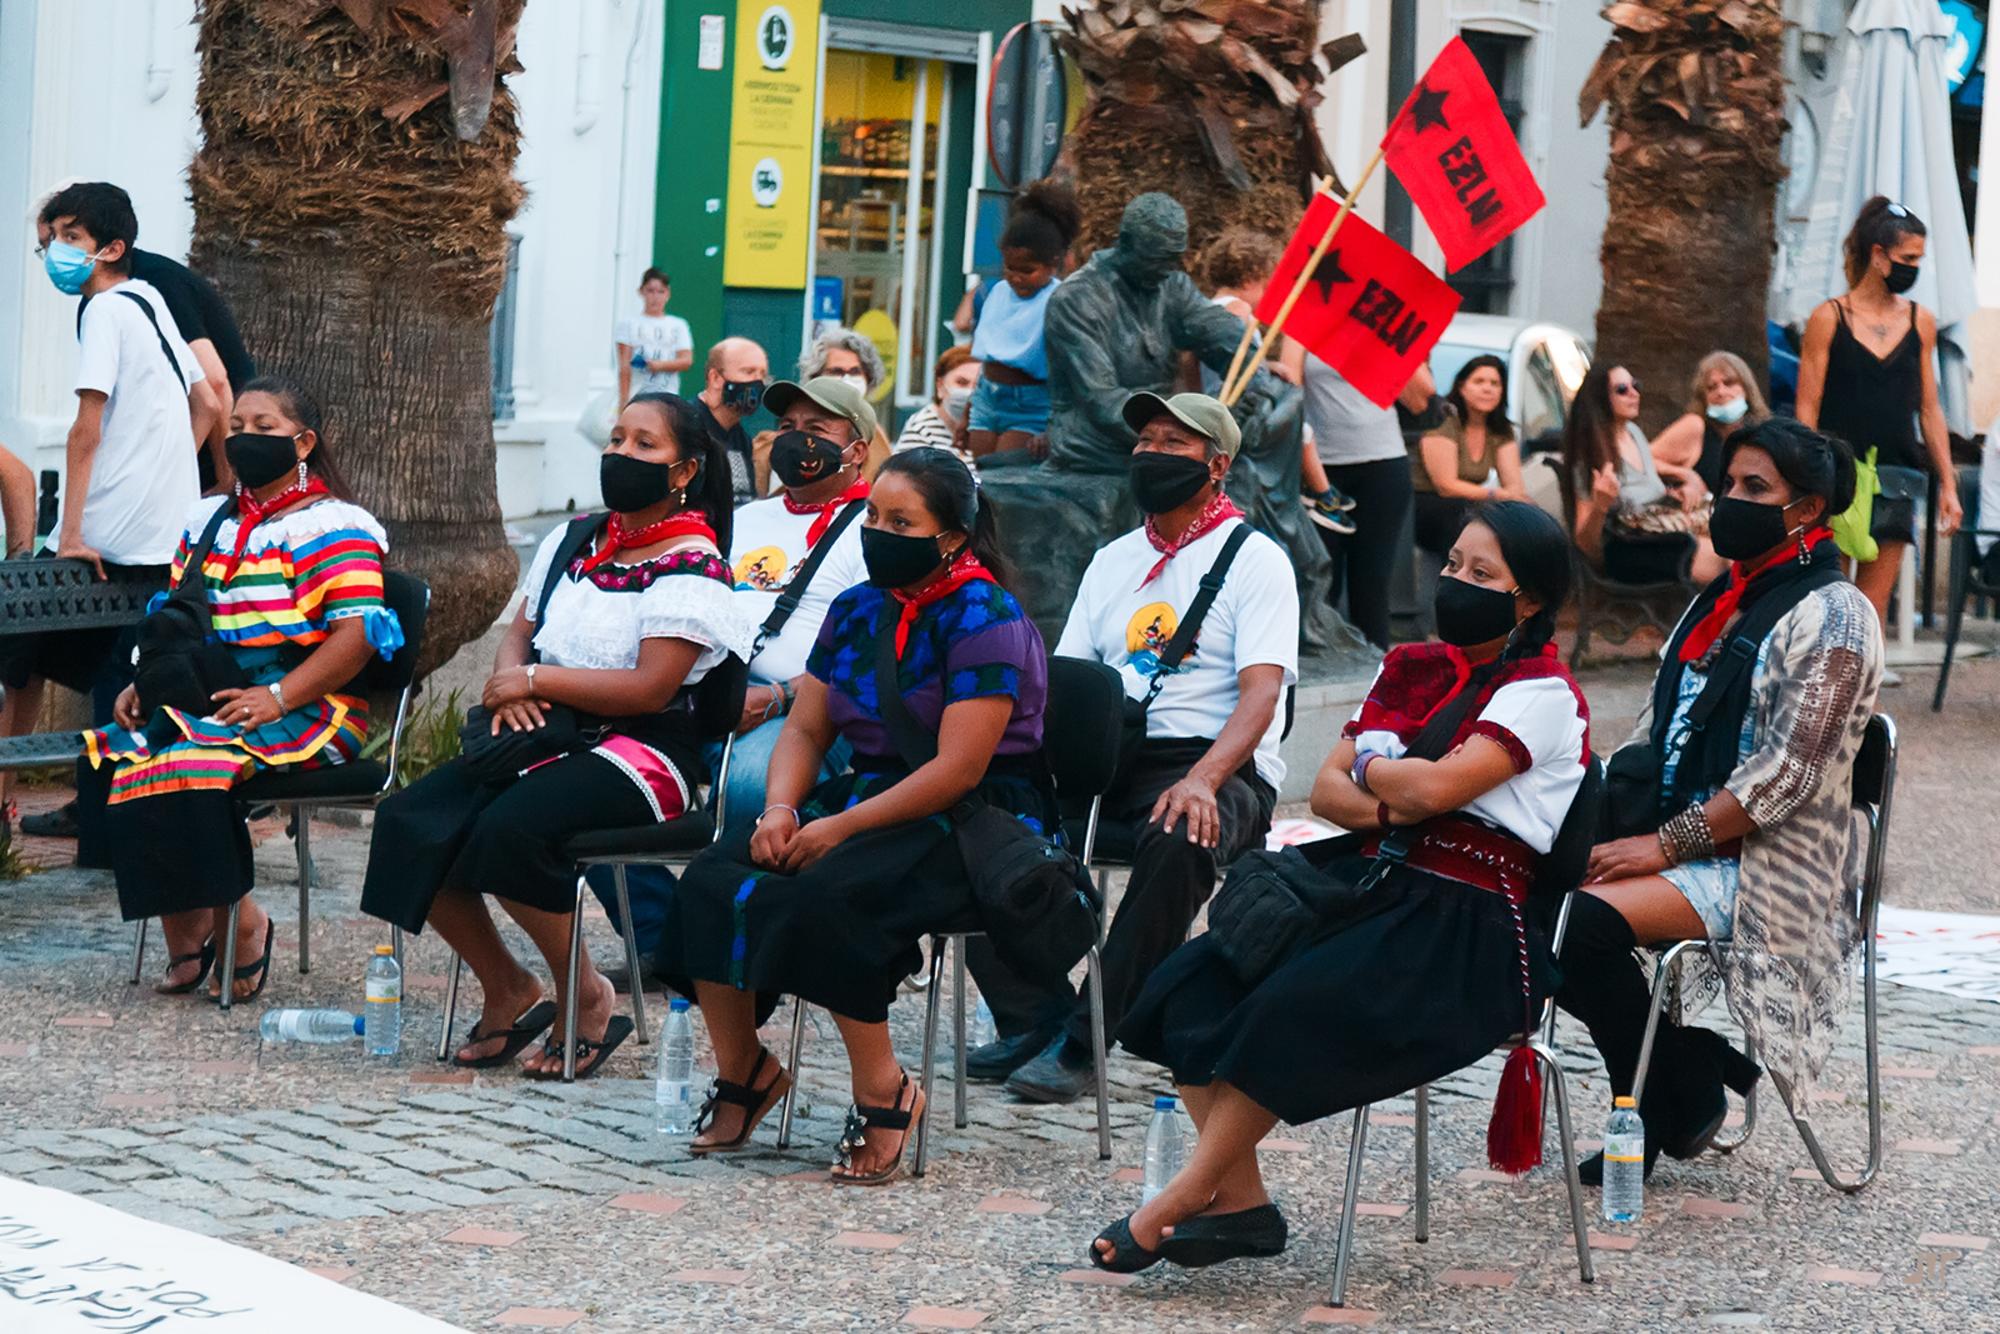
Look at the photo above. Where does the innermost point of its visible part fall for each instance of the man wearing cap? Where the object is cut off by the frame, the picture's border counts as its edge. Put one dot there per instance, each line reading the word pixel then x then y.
pixel 1201 786
pixel 824 427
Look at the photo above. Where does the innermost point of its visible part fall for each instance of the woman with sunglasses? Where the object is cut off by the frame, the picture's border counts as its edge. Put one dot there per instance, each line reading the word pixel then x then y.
pixel 1627 521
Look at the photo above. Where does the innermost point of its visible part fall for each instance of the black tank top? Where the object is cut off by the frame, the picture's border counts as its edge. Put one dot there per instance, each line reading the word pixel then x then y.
pixel 1871 401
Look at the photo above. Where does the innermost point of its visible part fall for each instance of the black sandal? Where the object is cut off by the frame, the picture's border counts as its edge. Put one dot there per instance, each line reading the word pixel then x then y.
pixel 860 1120
pixel 755 1102
pixel 525 1029
pixel 205 956
pixel 1207 1239
pixel 259 968
pixel 1127 1255
pixel 589 1054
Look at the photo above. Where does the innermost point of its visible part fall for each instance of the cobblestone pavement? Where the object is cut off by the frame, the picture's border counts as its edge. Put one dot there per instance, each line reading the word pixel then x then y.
pixel 495 1203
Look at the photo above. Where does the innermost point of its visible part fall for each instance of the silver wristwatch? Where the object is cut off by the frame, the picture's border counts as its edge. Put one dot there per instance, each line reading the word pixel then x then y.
pixel 277 689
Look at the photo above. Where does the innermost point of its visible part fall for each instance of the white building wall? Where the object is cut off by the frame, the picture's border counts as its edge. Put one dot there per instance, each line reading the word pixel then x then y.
pixel 104 89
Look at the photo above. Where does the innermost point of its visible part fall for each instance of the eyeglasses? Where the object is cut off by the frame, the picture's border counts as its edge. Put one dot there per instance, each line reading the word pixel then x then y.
pixel 1629 387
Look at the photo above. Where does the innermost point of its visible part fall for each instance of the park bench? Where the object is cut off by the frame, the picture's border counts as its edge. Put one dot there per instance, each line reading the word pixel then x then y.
pixel 43 596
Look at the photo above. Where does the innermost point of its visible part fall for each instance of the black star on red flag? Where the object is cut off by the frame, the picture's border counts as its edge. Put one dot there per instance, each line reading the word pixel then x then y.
pixel 1327 274
pixel 1428 108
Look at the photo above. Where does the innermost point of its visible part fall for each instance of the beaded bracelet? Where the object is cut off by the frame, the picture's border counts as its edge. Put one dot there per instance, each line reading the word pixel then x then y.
pixel 1687 837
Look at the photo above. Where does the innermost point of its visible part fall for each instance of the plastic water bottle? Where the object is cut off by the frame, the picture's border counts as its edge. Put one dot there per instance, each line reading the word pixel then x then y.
pixel 979 1028
pixel 384 1026
pixel 673 1091
pixel 1166 1147
pixel 316 1026
pixel 1624 1163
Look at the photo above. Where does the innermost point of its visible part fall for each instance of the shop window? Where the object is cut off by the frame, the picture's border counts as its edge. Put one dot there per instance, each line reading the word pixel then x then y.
pixel 1487 284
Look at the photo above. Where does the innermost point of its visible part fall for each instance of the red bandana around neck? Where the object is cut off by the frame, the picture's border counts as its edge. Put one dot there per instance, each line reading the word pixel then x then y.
pixel 827 511
pixel 1709 628
pixel 962 571
pixel 250 511
pixel 1216 513
pixel 617 537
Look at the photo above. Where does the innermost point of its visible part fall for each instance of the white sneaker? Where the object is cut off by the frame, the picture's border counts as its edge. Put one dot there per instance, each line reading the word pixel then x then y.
pixel 1891 678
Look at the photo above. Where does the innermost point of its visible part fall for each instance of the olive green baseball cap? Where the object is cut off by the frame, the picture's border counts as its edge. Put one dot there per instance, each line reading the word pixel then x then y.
pixel 830 392
pixel 1201 414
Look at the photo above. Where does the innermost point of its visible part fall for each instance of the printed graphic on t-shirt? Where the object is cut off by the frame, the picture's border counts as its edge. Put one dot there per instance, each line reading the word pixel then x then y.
pixel 1147 635
pixel 762 570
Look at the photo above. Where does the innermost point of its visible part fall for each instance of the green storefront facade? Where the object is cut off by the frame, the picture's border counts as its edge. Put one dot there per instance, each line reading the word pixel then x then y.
pixel 896 80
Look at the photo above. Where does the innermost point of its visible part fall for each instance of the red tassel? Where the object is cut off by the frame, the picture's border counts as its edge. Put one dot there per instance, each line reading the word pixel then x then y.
pixel 1514 1135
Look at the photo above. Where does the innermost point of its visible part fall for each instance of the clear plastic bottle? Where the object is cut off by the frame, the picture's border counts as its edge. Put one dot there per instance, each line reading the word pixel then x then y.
pixel 673 1091
pixel 384 1014
pixel 1166 1146
pixel 1624 1163
pixel 316 1026
pixel 979 1028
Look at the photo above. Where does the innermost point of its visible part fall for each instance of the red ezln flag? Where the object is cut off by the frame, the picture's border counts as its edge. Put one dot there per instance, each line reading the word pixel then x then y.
pixel 1370 309
pixel 1453 150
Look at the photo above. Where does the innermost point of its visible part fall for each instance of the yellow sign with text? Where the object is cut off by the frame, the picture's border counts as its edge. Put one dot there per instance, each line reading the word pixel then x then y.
pixel 771 138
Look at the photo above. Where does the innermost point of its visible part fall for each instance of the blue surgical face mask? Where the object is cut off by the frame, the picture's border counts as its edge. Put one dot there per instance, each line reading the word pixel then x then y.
pixel 1729 413
pixel 68 267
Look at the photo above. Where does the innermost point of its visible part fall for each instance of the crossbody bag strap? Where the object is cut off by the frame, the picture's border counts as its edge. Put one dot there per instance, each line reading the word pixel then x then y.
pixel 795 591
pixel 165 350
pixel 576 540
pixel 198 553
pixel 1745 639
pixel 1190 626
pixel 913 741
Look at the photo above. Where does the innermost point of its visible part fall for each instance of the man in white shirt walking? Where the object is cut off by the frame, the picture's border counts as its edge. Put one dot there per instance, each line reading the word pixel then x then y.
pixel 1199 788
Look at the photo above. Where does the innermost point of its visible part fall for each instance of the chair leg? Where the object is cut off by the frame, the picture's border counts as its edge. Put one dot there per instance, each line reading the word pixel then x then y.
pixel 570 988
pixel 1350 1198
pixel 1094 980
pixel 302 820
pixel 1664 971
pixel 792 1093
pixel 1954 621
pixel 631 953
pixel 1423 1162
pixel 1802 1117
pixel 957 946
pixel 138 949
pixel 228 997
pixel 450 1006
pixel 1578 1226
pixel 396 946
pixel 930 1054
pixel 1749 1109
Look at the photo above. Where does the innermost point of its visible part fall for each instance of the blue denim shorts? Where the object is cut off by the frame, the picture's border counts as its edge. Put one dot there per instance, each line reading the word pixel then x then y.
pixel 1000 408
pixel 1710 889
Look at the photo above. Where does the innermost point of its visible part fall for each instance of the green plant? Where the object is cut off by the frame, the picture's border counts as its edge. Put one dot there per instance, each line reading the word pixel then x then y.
pixel 12 865
pixel 430 738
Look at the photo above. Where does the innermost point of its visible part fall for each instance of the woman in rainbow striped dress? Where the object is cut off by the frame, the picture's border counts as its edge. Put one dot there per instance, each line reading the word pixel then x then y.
pixel 294 582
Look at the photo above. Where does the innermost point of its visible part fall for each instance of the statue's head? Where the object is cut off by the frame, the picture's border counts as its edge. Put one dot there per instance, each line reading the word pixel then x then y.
pixel 1152 237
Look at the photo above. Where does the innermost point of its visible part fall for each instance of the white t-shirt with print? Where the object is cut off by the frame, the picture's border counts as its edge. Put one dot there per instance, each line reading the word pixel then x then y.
pixel 766 548
pixel 1541 724
pixel 144 477
pixel 657 338
pixel 1255 621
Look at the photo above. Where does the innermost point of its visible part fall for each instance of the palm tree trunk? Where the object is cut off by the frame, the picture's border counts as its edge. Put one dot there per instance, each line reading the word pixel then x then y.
pixel 1697 94
pixel 351 198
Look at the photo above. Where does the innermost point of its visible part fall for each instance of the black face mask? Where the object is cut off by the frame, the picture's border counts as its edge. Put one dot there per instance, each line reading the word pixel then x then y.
pixel 1161 482
pixel 630 485
pixel 1743 529
pixel 896 561
pixel 259 460
pixel 1468 614
pixel 743 395
pixel 1902 277
pixel 800 459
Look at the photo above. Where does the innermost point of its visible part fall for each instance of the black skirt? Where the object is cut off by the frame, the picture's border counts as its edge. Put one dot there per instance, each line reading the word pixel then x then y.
pixel 843 933
pixel 1423 979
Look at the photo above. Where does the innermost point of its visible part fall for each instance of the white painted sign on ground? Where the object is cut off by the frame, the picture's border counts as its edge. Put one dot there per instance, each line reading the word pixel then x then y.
pixel 68 1266
pixel 1952 952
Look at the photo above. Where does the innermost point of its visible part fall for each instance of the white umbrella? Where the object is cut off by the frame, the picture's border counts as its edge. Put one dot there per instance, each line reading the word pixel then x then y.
pixel 1889 133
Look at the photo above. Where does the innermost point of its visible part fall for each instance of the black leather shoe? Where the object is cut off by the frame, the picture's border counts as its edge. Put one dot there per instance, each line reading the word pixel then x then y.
pixel 1059 1074
pixel 991 1062
pixel 58 823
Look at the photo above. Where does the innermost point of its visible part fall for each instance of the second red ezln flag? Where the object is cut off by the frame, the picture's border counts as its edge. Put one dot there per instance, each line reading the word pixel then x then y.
pixel 1370 309
pixel 1453 150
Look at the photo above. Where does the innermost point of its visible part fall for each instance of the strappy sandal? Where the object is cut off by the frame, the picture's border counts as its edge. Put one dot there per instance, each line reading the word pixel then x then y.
pixel 1207 1239
pixel 524 1030
pixel 755 1102
pixel 1127 1255
pixel 589 1054
pixel 259 968
pixel 205 956
pixel 861 1120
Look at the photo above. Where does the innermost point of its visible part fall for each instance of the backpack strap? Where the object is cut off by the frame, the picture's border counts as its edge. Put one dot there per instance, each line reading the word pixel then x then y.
pixel 795 591
pixel 1190 626
pixel 166 351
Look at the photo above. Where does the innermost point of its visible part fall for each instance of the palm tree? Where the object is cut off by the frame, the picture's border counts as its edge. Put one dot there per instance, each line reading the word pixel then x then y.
pixel 1210 101
pixel 1697 96
pixel 351 197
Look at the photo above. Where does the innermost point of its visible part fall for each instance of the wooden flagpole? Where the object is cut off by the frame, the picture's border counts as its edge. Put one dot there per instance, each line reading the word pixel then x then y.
pixel 1250 326
pixel 1234 389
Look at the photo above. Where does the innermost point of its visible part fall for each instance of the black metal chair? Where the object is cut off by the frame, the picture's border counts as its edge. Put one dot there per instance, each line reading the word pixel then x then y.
pixel 355 786
pixel 1968 577
pixel 1561 872
pixel 718 707
pixel 1874 788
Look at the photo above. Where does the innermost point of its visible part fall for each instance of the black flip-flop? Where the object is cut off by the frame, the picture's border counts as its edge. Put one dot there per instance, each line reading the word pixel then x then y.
pixel 1127 1255
pixel 259 968
pixel 589 1055
pixel 525 1029
pixel 205 956
pixel 1207 1239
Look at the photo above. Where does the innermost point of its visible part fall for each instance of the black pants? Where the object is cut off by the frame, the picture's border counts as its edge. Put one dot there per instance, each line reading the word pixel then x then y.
pixel 1439 519
pixel 1364 561
pixel 1171 879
